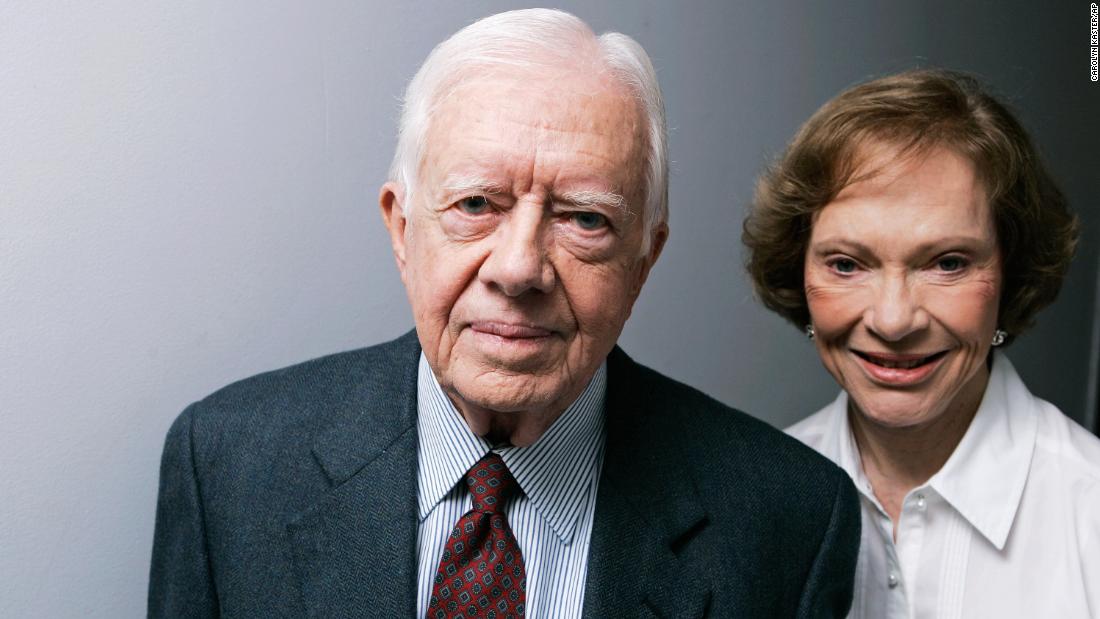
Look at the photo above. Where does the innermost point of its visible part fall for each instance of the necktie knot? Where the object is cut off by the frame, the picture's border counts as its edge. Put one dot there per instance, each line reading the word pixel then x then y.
pixel 490 484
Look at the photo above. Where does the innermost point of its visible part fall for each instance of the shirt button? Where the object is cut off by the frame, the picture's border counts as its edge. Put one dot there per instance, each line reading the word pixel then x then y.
pixel 892 580
pixel 920 501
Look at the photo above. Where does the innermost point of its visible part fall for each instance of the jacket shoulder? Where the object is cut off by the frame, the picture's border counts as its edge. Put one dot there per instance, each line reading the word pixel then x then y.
pixel 712 431
pixel 287 403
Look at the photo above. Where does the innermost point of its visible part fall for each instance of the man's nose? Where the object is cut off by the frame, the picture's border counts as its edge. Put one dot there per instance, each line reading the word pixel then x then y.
pixel 896 310
pixel 517 261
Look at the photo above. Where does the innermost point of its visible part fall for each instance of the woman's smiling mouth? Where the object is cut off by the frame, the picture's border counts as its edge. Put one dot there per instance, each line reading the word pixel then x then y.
pixel 899 369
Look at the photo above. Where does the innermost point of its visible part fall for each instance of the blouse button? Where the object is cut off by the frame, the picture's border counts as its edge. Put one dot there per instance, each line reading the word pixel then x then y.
pixel 920 501
pixel 892 580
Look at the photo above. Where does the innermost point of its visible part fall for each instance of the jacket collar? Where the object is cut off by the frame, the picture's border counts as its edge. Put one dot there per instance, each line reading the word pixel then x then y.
pixel 356 435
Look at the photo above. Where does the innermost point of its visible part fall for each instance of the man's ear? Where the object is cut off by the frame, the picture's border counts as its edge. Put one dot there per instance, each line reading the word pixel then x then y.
pixel 656 244
pixel 391 201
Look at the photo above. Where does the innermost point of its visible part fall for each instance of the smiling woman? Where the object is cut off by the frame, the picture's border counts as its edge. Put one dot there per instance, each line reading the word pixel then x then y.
pixel 910 229
pixel 903 279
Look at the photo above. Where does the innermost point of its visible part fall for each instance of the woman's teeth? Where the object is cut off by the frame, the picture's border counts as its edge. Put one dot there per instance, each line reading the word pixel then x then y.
pixel 899 364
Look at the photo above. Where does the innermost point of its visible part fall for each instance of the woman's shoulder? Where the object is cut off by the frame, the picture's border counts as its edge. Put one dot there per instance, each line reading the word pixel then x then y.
pixel 1067 448
pixel 1065 454
pixel 1064 476
pixel 1065 479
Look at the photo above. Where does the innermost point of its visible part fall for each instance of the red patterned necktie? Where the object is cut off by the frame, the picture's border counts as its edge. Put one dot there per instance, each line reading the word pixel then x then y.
pixel 481 572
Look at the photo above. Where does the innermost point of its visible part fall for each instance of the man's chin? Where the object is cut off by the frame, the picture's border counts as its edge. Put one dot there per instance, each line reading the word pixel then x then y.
pixel 504 391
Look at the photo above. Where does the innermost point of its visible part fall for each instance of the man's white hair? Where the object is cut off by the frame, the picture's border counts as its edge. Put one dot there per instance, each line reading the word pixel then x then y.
pixel 531 38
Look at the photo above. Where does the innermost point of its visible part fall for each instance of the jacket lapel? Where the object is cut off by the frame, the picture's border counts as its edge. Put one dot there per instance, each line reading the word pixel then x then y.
pixel 645 511
pixel 354 550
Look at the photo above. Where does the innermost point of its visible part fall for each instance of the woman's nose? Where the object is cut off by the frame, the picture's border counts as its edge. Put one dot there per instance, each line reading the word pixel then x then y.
pixel 896 311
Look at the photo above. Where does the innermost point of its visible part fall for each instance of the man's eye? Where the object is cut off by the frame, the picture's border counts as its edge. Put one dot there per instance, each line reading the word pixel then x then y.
pixel 474 205
pixel 588 220
pixel 950 264
pixel 844 265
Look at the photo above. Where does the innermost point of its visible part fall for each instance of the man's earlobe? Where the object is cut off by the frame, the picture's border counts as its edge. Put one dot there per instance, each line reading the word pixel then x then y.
pixel 391 202
pixel 657 242
pixel 656 245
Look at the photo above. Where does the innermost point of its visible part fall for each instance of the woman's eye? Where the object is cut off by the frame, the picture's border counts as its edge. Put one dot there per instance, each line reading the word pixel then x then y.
pixel 474 205
pixel 844 265
pixel 950 264
pixel 588 220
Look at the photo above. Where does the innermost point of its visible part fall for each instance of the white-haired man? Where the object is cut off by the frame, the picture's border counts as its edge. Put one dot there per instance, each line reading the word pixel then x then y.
pixel 504 459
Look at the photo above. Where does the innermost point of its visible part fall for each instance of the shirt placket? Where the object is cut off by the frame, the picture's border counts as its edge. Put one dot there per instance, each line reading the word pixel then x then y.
pixel 881 571
pixel 912 532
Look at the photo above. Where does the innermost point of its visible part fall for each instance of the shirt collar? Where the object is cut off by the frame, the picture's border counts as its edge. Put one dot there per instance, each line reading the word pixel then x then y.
pixel 555 472
pixel 984 477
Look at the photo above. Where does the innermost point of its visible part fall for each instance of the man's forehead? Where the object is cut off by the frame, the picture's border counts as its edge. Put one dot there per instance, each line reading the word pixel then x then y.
pixel 581 122
pixel 580 94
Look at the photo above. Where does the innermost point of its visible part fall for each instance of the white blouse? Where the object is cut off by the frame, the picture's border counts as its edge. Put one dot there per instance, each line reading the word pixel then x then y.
pixel 1009 527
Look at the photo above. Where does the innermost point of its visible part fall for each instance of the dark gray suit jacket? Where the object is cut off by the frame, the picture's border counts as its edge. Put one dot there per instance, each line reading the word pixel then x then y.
pixel 293 494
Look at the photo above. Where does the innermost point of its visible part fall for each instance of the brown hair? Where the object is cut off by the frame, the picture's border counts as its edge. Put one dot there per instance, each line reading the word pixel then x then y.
pixel 916 111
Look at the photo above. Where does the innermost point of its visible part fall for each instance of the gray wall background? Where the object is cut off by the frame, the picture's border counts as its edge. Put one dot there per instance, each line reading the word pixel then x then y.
pixel 188 196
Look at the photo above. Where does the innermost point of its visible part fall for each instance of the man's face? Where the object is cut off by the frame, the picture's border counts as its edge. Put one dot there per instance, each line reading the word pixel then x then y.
pixel 520 248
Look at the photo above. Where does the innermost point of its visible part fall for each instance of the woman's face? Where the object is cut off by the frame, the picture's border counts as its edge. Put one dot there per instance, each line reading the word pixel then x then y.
pixel 903 280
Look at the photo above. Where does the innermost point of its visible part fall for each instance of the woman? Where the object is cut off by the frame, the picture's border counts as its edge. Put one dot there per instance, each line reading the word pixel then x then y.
pixel 911 230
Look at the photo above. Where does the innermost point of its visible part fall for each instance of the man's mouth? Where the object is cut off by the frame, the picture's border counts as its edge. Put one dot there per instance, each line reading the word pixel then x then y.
pixel 510 330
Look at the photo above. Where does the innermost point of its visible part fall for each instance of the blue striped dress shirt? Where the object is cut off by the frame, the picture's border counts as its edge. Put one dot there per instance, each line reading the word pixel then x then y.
pixel 552 516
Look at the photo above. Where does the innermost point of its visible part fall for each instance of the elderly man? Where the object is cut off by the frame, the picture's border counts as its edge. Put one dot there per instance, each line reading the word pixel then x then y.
pixel 505 459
